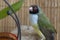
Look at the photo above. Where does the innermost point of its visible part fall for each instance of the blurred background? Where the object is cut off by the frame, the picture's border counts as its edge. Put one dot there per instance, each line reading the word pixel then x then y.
pixel 50 7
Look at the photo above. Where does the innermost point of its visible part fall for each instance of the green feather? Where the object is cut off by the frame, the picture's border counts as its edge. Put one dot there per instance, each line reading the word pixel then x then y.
pixel 46 26
pixel 16 6
pixel 44 22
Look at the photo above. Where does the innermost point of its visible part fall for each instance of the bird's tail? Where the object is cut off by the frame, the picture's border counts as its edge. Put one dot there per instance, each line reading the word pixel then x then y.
pixel 51 37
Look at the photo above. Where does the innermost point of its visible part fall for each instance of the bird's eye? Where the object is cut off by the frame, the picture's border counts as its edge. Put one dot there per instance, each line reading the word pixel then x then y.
pixel 33 9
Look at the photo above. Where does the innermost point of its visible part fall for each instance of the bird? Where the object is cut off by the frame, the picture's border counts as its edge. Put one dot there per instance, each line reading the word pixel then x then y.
pixel 41 23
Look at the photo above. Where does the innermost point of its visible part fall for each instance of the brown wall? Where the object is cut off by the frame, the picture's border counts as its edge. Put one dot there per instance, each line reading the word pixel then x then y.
pixel 50 7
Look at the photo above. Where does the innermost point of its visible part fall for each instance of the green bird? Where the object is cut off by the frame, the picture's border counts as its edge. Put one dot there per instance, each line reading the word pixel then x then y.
pixel 41 23
pixel 16 6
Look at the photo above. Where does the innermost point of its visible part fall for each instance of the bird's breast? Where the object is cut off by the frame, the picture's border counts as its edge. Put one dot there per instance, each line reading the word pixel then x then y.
pixel 33 18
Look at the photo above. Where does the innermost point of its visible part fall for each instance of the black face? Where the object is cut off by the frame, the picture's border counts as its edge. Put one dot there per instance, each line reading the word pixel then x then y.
pixel 34 9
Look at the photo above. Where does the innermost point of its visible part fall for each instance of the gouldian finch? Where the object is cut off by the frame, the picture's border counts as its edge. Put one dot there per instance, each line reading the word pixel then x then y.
pixel 41 23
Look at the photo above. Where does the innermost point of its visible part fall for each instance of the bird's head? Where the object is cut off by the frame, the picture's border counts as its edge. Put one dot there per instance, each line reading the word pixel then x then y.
pixel 33 13
pixel 33 9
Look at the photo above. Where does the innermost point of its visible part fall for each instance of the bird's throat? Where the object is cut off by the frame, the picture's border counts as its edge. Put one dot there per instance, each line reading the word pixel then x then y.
pixel 33 19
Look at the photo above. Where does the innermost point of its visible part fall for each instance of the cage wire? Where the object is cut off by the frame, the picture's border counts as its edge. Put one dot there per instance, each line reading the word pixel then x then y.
pixel 50 7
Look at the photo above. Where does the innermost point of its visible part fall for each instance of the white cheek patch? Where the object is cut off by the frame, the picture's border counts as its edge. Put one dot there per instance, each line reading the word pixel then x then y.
pixel 33 19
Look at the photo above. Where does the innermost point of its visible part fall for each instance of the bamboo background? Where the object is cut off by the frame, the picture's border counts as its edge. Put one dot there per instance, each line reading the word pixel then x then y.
pixel 50 7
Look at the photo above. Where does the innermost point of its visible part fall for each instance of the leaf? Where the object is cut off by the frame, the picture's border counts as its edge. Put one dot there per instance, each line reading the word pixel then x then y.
pixel 16 6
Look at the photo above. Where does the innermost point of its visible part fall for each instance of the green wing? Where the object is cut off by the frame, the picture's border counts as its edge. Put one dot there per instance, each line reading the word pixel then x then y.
pixel 44 22
pixel 16 6
pixel 46 26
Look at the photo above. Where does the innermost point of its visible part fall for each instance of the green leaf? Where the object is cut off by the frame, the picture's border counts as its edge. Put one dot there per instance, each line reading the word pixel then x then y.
pixel 16 6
